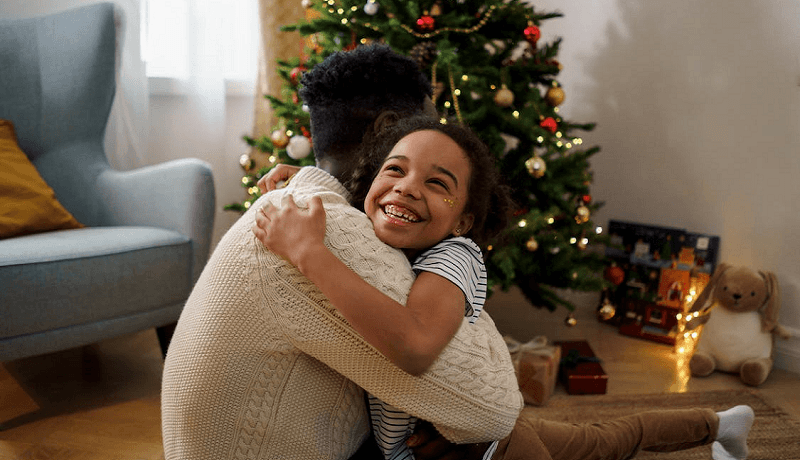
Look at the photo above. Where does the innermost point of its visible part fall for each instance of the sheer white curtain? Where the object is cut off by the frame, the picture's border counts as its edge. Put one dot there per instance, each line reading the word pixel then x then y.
pixel 195 50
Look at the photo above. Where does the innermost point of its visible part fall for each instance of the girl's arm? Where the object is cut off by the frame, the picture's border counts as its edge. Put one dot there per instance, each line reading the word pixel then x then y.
pixel 411 337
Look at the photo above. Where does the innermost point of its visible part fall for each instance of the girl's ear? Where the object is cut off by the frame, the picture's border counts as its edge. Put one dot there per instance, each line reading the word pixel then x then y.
pixel 464 224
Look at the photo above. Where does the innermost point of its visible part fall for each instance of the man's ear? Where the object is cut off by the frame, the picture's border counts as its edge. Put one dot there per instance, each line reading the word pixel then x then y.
pixel 385 119
pixel 464 224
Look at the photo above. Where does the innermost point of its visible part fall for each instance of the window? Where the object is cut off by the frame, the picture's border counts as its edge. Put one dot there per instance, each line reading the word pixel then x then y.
pixel 184 36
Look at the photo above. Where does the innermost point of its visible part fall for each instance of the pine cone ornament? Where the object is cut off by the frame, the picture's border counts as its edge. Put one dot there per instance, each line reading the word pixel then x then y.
pixel 424 53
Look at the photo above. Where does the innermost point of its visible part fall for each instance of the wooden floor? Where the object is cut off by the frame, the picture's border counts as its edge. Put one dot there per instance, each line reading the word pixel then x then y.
pixel 102 401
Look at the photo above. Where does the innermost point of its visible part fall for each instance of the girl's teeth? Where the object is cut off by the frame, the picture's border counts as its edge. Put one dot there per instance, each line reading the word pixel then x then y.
pixel 392 210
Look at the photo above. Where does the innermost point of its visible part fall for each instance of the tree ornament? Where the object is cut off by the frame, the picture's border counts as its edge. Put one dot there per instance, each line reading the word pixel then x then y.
pixel 607 310
pixel 531 245
pixel 307 4
pixel 586 199
pixel 504 97
pixel 371 7
pixel 614 274
pixel 582 215
pixel 279 138
pixel 426 23
pixel 246 162
pixel 532 34
pixel 554 96
pixel 570 320
pixel 296 73
pixel 299 147
pixel 424 53
pixel 536 166
pixel 549 124
pixel 436 9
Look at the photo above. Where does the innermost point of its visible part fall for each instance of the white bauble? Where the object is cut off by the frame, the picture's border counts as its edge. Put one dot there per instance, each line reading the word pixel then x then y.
pixel 299 147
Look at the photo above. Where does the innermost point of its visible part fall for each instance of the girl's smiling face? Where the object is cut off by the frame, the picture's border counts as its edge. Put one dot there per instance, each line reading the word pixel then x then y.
pixel 419 195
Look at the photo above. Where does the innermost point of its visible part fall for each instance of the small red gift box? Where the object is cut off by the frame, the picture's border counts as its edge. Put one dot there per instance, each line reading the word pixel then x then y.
pixel 536 364
pixel 580 370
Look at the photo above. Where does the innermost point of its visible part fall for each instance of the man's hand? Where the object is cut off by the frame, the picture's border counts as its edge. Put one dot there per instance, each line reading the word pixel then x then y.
pixel 280 173
pixel 428 444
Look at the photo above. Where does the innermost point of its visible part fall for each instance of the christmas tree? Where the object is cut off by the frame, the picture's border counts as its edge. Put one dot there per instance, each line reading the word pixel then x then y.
pixel 489 70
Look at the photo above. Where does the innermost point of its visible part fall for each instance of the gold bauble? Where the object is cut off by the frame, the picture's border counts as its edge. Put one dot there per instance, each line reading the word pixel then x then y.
pixel 536 166
pixel 570 320
pixel 554 96
pixel 531 245
pixel 606 311
pixel 582 215
pixel 279 138
pixel 504 97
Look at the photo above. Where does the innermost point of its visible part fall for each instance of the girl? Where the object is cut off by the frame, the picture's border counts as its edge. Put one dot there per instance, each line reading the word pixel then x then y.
pixel 430 190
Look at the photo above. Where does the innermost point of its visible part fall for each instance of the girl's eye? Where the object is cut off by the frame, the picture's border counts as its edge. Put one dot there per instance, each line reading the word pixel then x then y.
pixel 440 183
pixel 393 168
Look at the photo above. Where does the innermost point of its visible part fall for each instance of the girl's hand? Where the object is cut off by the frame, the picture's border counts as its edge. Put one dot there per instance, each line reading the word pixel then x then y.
pixel 291 232
pixel 280 173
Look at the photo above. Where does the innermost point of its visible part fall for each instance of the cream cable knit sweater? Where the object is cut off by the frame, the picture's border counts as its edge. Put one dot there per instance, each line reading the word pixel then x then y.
pixel 260 361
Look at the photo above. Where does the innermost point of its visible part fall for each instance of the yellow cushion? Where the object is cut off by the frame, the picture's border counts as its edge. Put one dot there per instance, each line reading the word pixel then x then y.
pixel 27 203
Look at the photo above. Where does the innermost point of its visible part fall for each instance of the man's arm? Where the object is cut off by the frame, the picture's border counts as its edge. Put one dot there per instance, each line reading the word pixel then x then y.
pixel 470 393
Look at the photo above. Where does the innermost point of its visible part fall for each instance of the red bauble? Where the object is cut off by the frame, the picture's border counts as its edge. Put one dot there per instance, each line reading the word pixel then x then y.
pixel 586 199
pixel 615 275
pixel 532 34
pixel 549 124
pixel 296 73
pixel 426 23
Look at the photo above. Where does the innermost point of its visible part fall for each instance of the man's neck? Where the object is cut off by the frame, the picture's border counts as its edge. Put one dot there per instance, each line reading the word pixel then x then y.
pixel 332 167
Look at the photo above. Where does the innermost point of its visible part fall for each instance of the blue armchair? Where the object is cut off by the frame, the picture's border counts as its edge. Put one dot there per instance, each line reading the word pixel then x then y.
pixel 147 232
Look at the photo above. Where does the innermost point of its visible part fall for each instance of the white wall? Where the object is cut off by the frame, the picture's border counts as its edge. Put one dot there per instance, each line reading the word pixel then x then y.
pixel 697 107
pixel 698 112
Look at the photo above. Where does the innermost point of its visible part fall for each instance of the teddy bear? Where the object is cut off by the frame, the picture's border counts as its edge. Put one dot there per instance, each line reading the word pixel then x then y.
pixel 739 310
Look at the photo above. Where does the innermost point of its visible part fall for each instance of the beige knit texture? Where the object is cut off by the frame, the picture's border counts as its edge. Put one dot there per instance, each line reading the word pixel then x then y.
pixel 263 367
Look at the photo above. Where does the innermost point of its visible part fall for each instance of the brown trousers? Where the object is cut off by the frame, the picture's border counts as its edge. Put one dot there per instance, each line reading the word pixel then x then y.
pixel 617 439
pixel 622 438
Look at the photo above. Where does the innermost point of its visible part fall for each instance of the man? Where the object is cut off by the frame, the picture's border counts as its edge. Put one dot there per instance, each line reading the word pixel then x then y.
pixel 261 366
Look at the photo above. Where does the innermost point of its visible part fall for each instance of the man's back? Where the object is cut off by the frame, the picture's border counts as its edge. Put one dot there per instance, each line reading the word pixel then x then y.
pixel 234 385
pixel 244 376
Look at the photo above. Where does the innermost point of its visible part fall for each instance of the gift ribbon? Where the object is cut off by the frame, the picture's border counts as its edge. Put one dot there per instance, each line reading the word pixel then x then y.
pixel 573 358
pixel 536 346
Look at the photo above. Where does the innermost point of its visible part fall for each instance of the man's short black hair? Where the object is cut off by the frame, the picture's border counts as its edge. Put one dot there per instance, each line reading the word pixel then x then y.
pixel 348 90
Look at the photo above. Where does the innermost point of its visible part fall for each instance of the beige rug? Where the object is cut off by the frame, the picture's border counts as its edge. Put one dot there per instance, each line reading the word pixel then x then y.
pixel 774 436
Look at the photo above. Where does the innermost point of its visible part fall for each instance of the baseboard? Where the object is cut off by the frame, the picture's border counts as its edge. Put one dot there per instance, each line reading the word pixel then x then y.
pixel 787 352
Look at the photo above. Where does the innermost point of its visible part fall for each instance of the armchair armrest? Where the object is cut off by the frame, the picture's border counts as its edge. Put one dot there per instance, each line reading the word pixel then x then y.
pixel 178 195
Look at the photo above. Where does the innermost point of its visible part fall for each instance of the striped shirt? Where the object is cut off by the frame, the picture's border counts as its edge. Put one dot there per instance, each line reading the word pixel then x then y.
pixel 460 261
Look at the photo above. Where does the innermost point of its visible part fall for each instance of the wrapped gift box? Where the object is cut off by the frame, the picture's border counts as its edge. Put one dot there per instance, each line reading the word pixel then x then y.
pixel 581 372
pixel 536 364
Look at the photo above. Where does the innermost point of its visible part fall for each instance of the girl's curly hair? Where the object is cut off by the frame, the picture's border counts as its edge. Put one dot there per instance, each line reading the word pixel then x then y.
pixel 488 199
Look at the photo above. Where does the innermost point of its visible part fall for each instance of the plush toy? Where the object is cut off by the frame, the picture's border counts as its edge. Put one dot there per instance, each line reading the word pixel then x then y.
pixel 739 309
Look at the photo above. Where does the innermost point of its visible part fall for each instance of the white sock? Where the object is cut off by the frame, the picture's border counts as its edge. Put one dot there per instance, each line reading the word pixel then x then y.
pixel 734 426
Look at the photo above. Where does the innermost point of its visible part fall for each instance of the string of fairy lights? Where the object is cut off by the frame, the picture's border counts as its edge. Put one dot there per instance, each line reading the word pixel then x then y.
pixel 425 28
